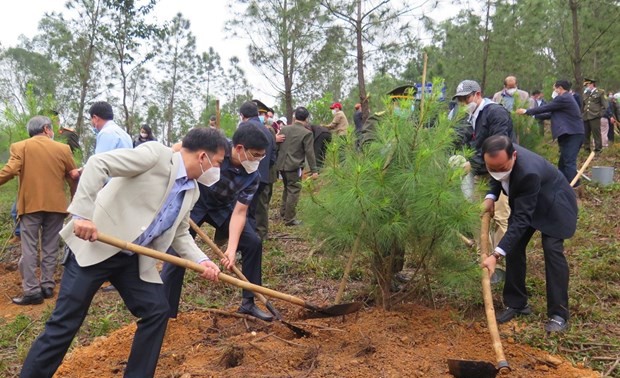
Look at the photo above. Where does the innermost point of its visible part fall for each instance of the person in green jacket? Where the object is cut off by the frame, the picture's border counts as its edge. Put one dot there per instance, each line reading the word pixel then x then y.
pixel 297 147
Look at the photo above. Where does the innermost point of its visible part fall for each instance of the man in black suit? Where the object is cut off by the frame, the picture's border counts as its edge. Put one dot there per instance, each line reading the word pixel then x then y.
pixel 540 198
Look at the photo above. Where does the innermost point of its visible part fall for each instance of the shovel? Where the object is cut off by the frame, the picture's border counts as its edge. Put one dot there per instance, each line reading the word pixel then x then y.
pixel 328 311
pixel 482 369
pixel 298 331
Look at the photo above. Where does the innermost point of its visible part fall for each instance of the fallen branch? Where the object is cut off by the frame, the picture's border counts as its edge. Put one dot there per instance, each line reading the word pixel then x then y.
pixel 603 358
pixel 321 328
pixel 286 341
pixel 613 366
pixel 233 314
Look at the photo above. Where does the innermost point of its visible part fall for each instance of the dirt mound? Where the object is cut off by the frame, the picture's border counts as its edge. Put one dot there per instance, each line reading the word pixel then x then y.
pixel 412 341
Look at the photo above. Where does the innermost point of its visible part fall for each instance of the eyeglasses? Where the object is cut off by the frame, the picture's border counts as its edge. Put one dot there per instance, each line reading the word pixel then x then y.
pixel 255 157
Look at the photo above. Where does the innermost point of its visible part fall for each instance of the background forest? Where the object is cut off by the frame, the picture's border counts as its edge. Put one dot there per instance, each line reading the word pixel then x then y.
pixel 311 52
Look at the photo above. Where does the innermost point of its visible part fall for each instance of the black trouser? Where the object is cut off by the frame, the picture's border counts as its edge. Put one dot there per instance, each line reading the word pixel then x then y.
pixel 251 248
pixel 556 275
pixel 145 300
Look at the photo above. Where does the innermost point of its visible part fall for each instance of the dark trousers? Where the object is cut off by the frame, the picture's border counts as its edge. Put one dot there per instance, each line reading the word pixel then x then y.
pixel 593 128
pixel 556 275
pixel 569 149
pixel 251 248
pixel 145 300
pixel 290 195
pixel 258 212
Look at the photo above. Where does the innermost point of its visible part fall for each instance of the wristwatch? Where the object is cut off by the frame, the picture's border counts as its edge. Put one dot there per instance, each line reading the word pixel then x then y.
pixel 497 256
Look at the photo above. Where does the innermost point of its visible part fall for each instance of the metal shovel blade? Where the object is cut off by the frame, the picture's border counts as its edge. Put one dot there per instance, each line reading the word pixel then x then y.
pixel 334 310
pixel 472 369
pixel 498 276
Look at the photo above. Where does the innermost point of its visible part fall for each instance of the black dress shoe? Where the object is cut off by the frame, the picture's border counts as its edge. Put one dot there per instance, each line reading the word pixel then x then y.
pixel 251 309
pixel 26 300
pixel 510 313
pixel 47 292
pixel 556 323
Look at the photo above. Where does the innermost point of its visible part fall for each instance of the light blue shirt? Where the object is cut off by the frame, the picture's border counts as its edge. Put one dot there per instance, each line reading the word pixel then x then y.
pixel 111 137
pixel 170 210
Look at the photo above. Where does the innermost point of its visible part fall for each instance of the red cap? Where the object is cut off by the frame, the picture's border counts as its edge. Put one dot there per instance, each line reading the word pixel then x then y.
pixel 336 105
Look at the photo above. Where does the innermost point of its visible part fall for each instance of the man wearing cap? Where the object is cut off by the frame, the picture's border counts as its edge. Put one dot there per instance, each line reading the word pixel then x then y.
pixel 296 148
pixel 340 123
pixel 566 125
pixel 487 118
pixel 511 94
pixel 594 106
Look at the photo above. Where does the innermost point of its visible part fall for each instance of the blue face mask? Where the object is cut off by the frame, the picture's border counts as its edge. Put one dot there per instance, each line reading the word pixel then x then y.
pixel 95 130
pixel 262 118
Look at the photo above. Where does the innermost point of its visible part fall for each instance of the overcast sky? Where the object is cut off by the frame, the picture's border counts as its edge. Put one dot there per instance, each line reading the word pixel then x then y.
pixel 207 24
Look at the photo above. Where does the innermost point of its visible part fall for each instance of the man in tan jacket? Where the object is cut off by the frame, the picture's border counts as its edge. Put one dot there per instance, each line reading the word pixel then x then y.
pixel 340 123
pixel 43 166
pixel 147 201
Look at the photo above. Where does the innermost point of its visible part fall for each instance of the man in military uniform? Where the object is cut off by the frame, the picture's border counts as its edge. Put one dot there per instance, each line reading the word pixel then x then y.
pixel 594 106
pixel 404 92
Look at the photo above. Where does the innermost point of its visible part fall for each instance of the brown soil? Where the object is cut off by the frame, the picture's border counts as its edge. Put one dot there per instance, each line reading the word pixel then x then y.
pixel 412 341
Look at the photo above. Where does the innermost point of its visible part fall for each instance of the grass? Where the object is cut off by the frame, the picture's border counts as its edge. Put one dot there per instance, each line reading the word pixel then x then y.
pixel 296 263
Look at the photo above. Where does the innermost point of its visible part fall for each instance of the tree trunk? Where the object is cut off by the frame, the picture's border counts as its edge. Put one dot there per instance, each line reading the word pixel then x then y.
pixel 574 5
pixel 486 46
pixel 361 82
pixel 86 71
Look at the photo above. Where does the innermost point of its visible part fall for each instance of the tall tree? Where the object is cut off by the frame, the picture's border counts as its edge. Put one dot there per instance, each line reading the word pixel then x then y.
pixel 283 36
pixel 237 89
pixel 210 68
pixel 177 61
pixel 73 43
pixel 125 30
pixel 370 24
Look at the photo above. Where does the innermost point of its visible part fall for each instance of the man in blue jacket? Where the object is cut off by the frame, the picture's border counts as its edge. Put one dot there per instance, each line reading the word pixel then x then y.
pixel 566 126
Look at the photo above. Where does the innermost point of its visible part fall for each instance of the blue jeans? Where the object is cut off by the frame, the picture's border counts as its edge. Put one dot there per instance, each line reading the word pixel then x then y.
pixel 14 216
pixel 569 149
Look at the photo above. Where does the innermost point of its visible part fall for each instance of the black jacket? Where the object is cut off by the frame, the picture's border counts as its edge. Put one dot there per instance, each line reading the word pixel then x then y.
pixel 493 119
pixel 539 197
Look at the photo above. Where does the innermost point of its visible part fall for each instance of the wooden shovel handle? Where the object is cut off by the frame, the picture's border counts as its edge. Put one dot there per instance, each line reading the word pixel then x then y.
pixel 127 246
pixel 488 297
pixel 205 238
pixel 583 168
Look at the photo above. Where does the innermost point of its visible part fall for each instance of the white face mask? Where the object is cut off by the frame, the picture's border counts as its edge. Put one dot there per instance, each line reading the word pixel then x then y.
pixel 210 176
pixel 511 91
pixel 471 107
pixel 499 176
pixel 554 94
pixel 249 166
pixel 334 111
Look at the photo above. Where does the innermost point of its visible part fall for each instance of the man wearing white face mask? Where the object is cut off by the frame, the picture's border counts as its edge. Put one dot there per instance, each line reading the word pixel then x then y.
pixel 147 200
pixel 541 199
pixel 487 119
pixel 224 205
pixel 511 96
pixel 566 126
